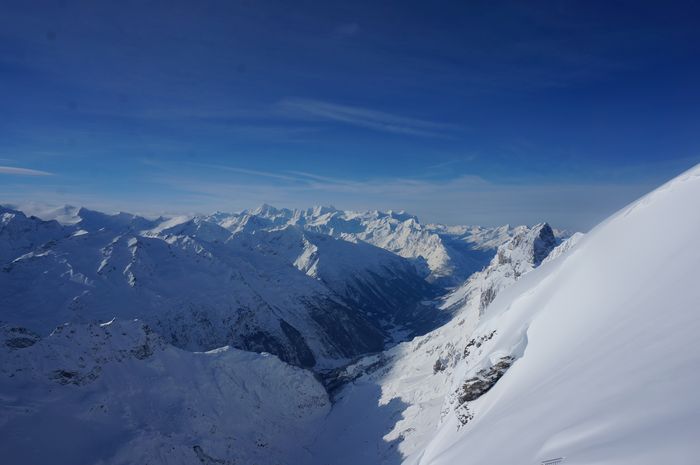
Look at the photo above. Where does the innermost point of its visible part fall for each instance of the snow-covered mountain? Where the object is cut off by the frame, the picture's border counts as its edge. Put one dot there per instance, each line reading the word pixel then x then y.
pixel 448 255
pixel 118 393
pixel 316 287
pixel 578 349
pixel 20 235
pixel 309 298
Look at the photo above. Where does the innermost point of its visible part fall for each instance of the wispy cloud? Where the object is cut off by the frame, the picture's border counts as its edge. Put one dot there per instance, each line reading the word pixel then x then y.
pixel 258 173
pixel 23 171
pixel 363 117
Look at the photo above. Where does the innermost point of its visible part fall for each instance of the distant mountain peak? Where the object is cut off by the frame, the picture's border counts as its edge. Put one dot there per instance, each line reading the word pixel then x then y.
pixel 265 209
pixel 533 244
pixel 320 210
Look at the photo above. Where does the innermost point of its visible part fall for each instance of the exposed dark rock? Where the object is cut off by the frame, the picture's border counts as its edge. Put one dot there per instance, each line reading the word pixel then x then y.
pixel 544 243
pixel 464 415
pixel 65 376
pixel 142 351
pixel 475 387
pixel 73 377
pixel 20 342
pixel 487 297
pixel 20 338
pixel 207 459
pixel 333 380
pixel 439 366
pixel 477 342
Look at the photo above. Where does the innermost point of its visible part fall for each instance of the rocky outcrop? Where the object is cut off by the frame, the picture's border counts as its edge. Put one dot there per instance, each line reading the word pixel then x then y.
pixel 478 385
pixel 20 338
pixel 475 387
pixel 206 459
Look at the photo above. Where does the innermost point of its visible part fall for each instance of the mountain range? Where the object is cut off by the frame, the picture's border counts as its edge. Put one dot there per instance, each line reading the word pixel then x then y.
pixel 323 336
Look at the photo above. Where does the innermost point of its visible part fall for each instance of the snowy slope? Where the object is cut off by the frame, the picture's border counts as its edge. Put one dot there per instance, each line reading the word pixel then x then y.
pixel 602 348
pixel 20 234
pixel 117 393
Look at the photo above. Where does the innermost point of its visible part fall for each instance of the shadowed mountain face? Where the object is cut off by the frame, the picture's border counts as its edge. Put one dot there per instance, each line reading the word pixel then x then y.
pixel 117 392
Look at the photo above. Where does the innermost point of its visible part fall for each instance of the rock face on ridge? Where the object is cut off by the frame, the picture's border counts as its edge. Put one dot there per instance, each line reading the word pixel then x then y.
pixel 521 254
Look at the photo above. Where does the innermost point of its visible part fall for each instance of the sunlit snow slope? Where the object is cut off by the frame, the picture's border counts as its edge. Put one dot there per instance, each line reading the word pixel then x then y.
pixel 604 342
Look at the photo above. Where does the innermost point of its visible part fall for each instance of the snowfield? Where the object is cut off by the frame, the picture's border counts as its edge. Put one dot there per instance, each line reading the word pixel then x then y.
pixel 581 349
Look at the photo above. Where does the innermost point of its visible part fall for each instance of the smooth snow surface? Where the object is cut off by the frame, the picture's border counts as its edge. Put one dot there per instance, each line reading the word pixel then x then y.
pixel 606 346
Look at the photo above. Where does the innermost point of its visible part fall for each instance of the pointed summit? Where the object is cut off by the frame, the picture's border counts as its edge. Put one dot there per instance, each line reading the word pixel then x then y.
pixel 544 242
pixel 530 244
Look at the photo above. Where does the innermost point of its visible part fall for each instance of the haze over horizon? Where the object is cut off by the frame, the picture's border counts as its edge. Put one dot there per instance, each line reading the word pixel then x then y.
pixel 458 113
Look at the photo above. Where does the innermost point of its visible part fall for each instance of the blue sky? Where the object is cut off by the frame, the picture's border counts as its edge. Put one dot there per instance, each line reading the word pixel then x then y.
pixel 459 112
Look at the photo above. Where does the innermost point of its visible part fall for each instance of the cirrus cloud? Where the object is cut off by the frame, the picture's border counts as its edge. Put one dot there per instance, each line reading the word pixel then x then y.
pixel 16 170
pixel 317 110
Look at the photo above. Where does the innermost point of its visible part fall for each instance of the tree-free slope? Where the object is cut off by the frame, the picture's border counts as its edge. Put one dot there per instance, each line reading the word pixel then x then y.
pixel 604 348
